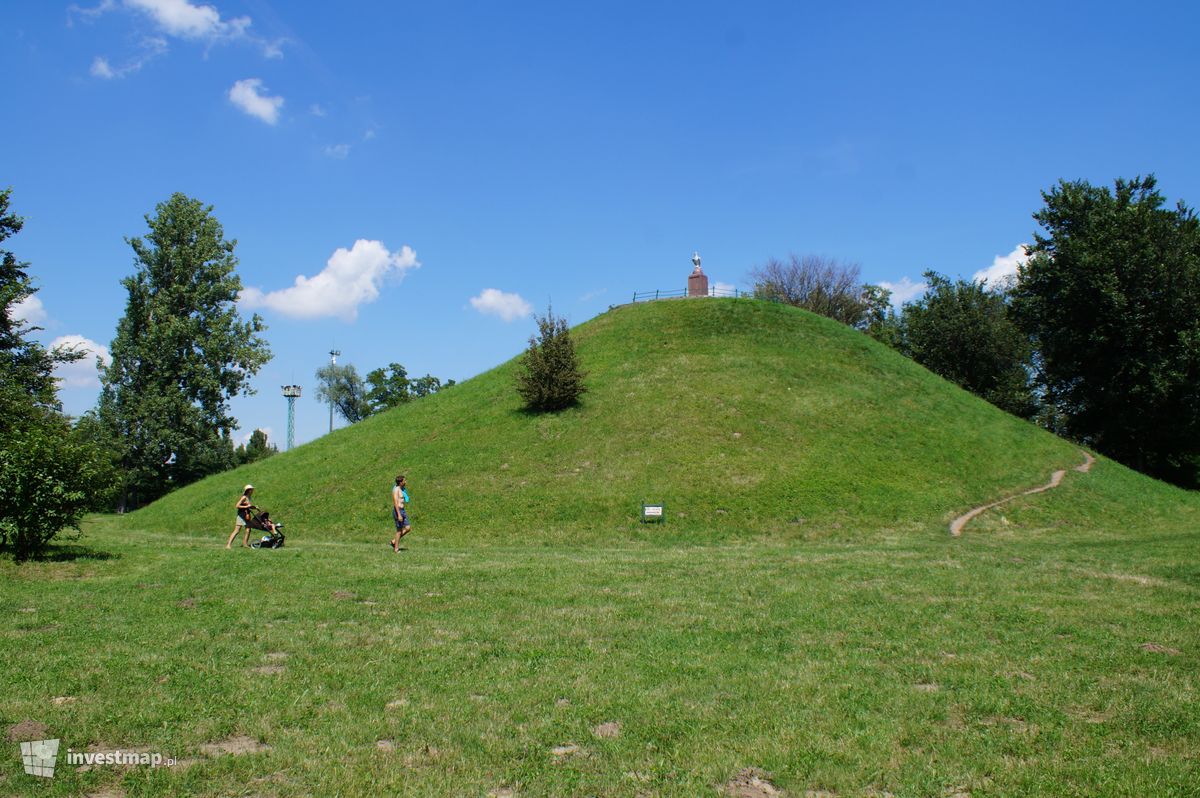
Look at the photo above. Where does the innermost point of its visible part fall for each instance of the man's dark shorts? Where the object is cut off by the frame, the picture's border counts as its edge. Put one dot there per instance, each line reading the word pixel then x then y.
pixel 401 519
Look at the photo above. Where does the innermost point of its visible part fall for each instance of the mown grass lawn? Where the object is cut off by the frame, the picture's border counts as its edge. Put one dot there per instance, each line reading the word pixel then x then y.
pixel 1006 663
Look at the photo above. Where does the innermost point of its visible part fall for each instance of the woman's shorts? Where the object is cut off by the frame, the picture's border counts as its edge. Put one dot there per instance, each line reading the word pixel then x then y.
pixel 241 521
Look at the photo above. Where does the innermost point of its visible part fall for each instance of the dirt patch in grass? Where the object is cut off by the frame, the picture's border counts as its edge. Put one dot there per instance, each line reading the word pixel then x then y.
pixel 275 656
pixel 343 595
pixel 502 792
pixel 235 746
pixel 27 730
pixel 269 670
pixel 385 745
pixel 1158 648
pixel 106 792
pixel 564 751
pixel 926 687
pixel 187 604
pixel 608 730
pixel 60 700
pixel 750 783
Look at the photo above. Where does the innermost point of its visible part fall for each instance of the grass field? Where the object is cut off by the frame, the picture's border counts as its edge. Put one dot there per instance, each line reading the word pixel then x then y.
pixel 802 624
pixel 1010 662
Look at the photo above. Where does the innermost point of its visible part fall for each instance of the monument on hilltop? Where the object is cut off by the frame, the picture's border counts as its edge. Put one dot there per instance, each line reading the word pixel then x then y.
pixel 697 280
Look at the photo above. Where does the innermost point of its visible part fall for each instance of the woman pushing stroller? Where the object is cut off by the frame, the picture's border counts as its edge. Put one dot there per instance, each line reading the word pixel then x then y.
pixel 246 519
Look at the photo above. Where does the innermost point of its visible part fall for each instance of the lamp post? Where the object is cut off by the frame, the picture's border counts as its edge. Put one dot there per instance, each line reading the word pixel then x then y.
pixel 291 393
pixel 333 356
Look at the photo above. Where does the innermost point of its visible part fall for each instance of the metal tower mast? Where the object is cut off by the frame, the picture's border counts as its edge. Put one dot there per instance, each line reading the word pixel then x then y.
pixel 291 392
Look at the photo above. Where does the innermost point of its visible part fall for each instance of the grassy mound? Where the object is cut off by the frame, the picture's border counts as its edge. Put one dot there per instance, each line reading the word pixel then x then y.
pixel 746 418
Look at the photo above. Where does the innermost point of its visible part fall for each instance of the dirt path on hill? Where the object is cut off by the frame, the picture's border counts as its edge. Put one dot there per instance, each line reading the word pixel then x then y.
pixel 956 526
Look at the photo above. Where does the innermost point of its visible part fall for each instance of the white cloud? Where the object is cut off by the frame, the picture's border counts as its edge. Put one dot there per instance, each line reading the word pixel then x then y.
pixel 29 310
pixel 182 19
pixel 246 95
pixel 101 69
pixel 351 277
pixel 723 288
pixel 494 302
pixel 339 151
pixel 904 290
pixel 152 47
pixel 89 13
pixel 187 21
pixel 81 373
pixel 1003 269
pixel 316 110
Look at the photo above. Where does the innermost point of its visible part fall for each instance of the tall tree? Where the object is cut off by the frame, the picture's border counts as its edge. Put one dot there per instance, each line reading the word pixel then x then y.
pixel 181 352
pixel 549 377
pixel 255 449
pixel 825 286
pixel 427 386
pixel 962 331
pixel 1111 296
pixel 45 472
pixel 342 387
pixel 389 387
pixel 880 320
pixel 27 365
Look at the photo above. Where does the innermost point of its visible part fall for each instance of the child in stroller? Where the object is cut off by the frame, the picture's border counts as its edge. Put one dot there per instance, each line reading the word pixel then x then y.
pixel 262 521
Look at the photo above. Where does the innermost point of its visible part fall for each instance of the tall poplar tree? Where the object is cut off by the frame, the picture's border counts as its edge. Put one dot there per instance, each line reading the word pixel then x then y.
pixel 181 352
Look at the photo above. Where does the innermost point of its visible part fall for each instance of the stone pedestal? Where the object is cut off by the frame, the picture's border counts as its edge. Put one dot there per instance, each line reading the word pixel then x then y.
pixel 697 283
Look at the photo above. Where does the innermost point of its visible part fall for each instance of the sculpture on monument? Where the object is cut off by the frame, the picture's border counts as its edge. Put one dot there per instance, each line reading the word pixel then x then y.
pixel 697 280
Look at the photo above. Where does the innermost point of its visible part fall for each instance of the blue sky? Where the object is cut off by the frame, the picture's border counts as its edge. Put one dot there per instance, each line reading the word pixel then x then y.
pixel 405 158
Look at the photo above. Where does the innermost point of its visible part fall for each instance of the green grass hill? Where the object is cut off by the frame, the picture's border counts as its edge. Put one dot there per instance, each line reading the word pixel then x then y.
pixel 747 419
pixel 801 625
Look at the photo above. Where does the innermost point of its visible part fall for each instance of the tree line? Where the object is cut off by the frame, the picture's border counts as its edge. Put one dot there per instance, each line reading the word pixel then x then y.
pixel 384 388
pixel 1097 337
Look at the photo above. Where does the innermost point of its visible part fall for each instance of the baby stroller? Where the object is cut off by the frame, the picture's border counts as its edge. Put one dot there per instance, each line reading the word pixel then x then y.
pixel 262 521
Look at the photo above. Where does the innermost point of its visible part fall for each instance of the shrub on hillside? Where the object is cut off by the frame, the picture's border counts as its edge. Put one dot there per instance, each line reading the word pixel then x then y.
pixel 549 377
